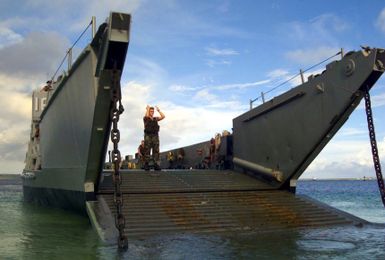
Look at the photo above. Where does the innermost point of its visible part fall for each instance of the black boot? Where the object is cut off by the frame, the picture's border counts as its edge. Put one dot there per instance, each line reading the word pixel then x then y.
pixel 146 167
pixel 157 167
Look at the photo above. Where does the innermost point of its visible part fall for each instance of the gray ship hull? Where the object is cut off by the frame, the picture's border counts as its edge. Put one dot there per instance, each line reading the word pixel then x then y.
pixel 75 123
pixel 59 198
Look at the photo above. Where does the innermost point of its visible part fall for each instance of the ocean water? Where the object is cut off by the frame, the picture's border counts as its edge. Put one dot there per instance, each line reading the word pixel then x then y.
pixel 33 232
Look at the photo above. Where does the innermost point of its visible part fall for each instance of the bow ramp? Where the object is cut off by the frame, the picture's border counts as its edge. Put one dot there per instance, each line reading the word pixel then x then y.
pixel 204 201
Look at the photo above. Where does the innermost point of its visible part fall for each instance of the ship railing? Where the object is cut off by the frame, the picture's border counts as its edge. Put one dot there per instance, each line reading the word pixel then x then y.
pixel 69 56
pixel 262 97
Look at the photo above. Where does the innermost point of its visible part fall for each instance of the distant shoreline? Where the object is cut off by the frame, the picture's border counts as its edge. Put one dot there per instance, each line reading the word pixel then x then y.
pixel 10 179
pixel 7 176
pixel 341 179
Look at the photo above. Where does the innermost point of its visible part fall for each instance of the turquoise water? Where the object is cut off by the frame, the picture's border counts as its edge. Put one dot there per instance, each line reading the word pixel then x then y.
pixel 32 232
pixel 360 198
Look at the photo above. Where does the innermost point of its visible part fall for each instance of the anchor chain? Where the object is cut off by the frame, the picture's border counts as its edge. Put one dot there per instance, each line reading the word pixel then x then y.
pixel 116 110
pixel 373 143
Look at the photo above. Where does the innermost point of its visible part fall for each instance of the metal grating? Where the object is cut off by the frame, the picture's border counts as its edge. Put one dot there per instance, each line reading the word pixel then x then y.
pixel 212 202
pixel 183 181
pixel 215 212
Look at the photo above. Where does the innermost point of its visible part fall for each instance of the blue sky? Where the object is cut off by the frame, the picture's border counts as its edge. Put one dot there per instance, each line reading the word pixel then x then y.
pixel 199 61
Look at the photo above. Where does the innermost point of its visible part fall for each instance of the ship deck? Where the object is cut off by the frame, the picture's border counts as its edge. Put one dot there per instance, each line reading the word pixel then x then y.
pixel 205 201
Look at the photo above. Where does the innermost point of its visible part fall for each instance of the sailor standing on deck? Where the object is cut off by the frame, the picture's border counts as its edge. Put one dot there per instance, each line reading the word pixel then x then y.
pixel 151 137
pixel 48 86
pixel 141 152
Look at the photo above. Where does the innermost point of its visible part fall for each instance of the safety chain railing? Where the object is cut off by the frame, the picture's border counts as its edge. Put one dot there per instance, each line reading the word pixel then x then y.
pixel 373 143
pixel 301 72
pixel 116 110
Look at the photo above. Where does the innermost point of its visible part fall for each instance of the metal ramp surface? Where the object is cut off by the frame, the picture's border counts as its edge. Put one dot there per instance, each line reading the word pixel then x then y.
pixel 167 181
pixel 206 201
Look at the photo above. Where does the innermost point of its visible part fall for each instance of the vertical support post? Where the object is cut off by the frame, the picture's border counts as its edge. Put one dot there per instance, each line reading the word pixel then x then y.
pixel 263 97
pixel 93 22
pixel 342 53
pixel 251 104
pixel 293 185
pixel 69 59
pixel 301 73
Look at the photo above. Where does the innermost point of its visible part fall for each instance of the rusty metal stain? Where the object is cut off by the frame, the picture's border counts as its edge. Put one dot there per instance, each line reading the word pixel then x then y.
pixel 162 209
pixel 183 213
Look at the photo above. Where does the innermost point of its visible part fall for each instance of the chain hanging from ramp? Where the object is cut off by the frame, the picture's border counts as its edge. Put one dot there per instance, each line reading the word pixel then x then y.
pixel 116 110
pixel 373 143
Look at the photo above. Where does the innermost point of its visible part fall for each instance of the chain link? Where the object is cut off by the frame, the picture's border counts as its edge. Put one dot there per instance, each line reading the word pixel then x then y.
pixel 116 110
pixel 373 143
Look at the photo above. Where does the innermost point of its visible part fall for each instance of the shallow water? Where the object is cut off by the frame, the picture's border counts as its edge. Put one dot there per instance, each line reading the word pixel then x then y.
pixel 32 232
pixel 360 198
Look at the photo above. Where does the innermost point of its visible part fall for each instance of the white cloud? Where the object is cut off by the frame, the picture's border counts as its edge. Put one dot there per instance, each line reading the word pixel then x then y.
pixel 213 63
pixel 19 83
pixel 79 12
pixel 312 56
pixel 220 52
pixel 25 64
pixel 14 123
pixel 349 131
pixel 188 125
pixel 13 141
pixel 38 54
pixel 241 85
pixel 278 73
pixel 378 100
pixel 343 159
pixel 9 166
pixel 181 88
pixel 15 106
pixel 215 52
pixel 183 125
pixel 26 24
pixel 101 8
pixel 205 96
pixel 336 169
pixel 381 21
pixel 329 22
pixel 8 37
pixel 145 70
pixel 323 30
pixel 205 99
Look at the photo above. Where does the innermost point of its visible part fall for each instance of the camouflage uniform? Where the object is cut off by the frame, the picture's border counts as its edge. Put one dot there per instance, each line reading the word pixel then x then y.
pixel 151 139
pixel 141 153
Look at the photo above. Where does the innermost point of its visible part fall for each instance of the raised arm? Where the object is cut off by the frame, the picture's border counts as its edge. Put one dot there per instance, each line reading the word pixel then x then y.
pixel 147 111
pixel 162 116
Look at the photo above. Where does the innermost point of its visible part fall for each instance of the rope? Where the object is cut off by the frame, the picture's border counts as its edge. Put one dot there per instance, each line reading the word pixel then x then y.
pixel 73 45
pixel 286 81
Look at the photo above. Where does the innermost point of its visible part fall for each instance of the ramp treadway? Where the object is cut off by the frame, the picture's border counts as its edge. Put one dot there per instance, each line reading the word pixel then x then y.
pixel 212 202
pixel 140 181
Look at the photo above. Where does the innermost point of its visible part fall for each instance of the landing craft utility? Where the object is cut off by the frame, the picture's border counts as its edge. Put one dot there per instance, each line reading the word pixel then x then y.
pixel 248 184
